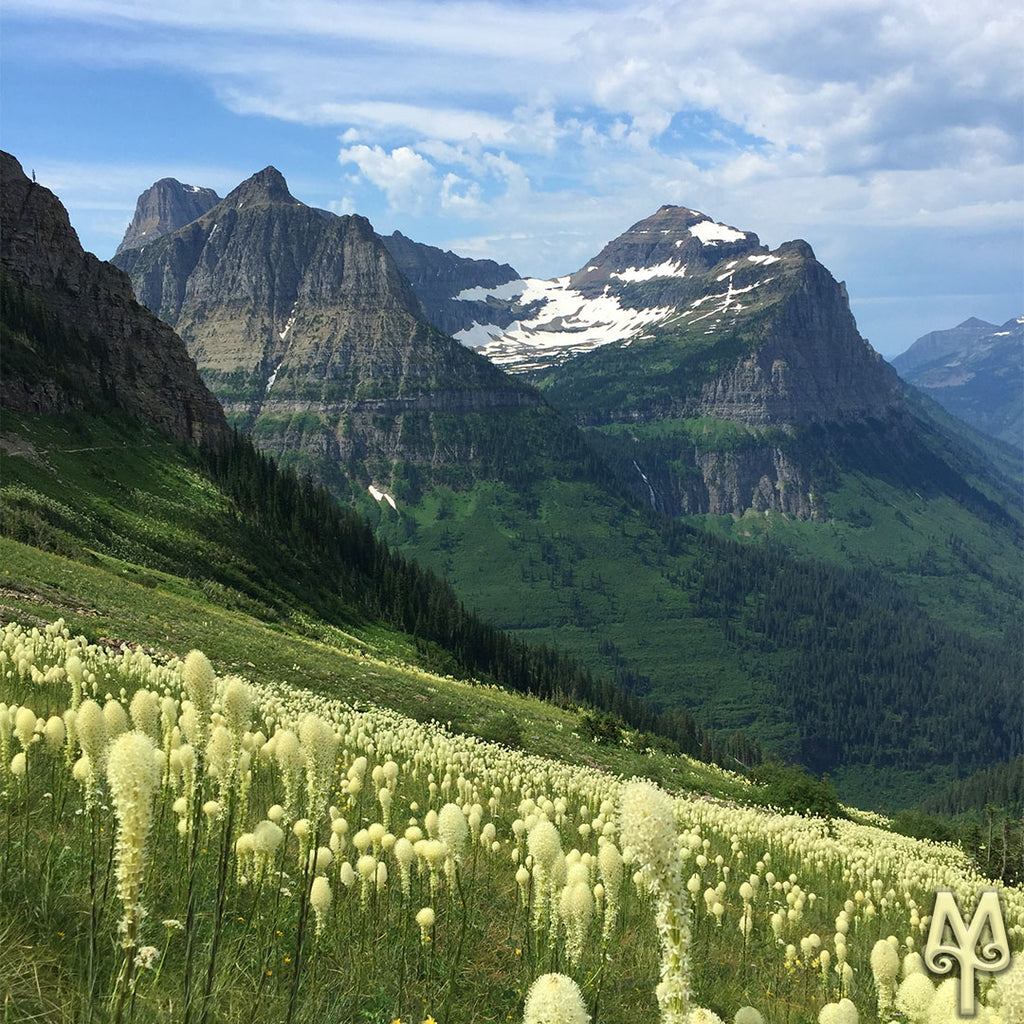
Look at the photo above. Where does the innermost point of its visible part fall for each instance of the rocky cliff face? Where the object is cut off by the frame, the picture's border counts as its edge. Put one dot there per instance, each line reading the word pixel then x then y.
pixel 75 337
pixel 976 372
pixel 313 339
pixel 164 207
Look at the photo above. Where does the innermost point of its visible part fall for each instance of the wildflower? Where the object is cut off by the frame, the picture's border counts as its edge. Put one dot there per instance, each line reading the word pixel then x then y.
pixel 425 919
pixel 700 1015
pixel 554 999
pixel 647 826
pixel 320 900
pixel 25 726
pixel 134 777
pixel 843 1012
pixel 146 957
pixel 914 997
pixel 453 830
pixel 199 681
pixel 748 1015
pixel 885 966
pixel 54 732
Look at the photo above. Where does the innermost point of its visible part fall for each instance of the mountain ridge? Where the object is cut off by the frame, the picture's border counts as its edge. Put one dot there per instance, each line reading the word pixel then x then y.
pixel 75 337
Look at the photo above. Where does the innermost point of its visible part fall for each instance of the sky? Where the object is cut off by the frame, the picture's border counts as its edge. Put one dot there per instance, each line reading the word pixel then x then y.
pixel 887 133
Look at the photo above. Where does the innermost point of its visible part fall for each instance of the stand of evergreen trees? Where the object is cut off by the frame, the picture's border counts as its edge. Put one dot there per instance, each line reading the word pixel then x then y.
pixel 329 560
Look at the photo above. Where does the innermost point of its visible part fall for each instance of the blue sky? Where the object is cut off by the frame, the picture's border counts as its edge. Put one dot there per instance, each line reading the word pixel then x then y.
pixel 887 133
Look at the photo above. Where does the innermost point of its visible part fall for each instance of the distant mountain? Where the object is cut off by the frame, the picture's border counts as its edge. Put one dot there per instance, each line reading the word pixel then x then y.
pixel 73 335
pixel 974 371
pixel 313 339
pixel 164 207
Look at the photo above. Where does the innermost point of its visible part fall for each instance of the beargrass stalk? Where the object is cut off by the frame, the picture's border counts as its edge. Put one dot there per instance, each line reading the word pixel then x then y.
pixel 218 919
pixel 134 776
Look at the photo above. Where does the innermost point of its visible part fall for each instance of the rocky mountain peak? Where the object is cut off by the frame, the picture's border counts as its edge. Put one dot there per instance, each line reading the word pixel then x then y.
pixel 672 238
pixel 266 186
pixel 165 206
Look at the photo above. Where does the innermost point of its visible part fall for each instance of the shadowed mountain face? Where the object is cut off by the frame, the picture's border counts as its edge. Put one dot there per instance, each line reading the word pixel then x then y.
pixel 312 338
pixel 74 336
pixel 974 371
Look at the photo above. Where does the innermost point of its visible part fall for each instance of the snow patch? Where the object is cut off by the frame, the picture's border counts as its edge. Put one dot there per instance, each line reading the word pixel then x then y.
pixel 273 377
pixel 291 321
pixel 711 233
pixel 764 260
pixel 379 496
pixel 567 323
pixel 508 290
pixel 667 269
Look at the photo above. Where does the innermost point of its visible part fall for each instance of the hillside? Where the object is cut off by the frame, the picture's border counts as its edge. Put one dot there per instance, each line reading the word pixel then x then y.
pixel 292 868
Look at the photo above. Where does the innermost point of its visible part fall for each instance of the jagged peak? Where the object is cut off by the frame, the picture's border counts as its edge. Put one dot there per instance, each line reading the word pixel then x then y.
pixel 266 186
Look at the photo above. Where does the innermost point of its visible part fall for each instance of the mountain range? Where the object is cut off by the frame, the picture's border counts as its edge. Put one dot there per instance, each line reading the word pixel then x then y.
pixel 976 372
pixel 741 516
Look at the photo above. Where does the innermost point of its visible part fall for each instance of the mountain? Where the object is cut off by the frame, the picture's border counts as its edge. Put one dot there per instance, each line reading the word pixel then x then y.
pixel 976 372
pixel 74 336
pixel 695 356
pixel 164 207
pixel 303 325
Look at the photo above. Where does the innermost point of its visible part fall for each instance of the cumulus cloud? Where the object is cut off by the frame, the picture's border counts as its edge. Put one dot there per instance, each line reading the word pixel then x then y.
pixel 405 177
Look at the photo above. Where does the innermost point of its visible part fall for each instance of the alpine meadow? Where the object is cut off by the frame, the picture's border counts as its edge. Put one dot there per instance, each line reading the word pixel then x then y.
pixel 388 637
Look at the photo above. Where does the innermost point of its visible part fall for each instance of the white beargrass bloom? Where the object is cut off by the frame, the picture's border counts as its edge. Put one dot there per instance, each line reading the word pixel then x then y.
pixel 843 1012
pixel 748 1015
pixel 145 713
pixel 25 726
pixel 134 778
pixel 554 999
pixel 453 830
pixel 914 996
pixel 576 908
pixel 647 826
pixel 405 855
pixel 425 919
pixel 200 682
pixel 885 966
pixel 320 900
pixel 54 732
pixel 236 700
pixel 1009 991
pixel 116 719
pixel 701 1015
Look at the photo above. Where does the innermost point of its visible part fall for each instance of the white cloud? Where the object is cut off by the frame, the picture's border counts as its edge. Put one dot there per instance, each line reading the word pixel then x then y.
pixel 405 177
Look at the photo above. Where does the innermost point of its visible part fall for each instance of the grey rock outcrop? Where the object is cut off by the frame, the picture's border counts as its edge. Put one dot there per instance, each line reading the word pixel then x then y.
pixel 439 277
pixel 165 206
pixel 74 335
